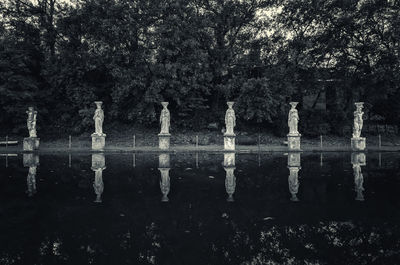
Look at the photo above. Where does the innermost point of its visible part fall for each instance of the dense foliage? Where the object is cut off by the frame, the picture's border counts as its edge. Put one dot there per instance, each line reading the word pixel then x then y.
pixel 196 54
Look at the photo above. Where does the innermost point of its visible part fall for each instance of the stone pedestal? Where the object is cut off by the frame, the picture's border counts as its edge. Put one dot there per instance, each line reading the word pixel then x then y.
pixel 229 142
pixel 164 141
pixel 98 142
pixel 31 143
pixel 294 141
pixel 358 143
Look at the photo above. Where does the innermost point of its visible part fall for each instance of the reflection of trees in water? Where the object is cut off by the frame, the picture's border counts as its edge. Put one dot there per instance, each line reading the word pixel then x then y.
pixel 207 241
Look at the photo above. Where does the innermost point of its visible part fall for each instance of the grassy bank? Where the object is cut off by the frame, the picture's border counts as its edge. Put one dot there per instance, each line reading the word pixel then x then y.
pixel 147 140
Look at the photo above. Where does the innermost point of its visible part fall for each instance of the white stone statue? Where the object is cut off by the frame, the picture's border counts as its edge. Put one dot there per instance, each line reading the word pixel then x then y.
pixel 98 119
pixel 98 184
pixel 293 119
pixel 165 118
pixel 230 119
pixel 358 120
pixel 31 122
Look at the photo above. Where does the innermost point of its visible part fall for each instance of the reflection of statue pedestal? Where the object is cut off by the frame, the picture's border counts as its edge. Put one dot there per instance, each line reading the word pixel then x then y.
pixel 98 142
pixel 358 143
pixel 294 159
pixel 294 141
pixel 164 140
pixel 229 142
pixel 31 143
pixel 30 160
pixel 164 160
pixel 358 159
pixel 98 161
pixel 229 159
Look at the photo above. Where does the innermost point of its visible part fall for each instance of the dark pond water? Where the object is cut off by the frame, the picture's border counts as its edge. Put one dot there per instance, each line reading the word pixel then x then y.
pixel 309 208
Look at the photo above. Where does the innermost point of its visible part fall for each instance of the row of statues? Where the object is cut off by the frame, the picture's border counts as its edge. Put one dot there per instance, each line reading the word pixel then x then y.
pixel 98 137
pixel 358 160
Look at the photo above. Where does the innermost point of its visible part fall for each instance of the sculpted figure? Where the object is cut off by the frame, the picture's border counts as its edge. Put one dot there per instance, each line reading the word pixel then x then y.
pixel 31 122
pixel 358 120
pixel 293 119
pixel 165 119
pixel 230 119
pixel 98 118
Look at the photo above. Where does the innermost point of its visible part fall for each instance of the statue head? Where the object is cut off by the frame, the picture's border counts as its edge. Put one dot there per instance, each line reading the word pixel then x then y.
pixel 293 104
pixel 30 109
pixel 164 104
pixel 230 104
pixel 359 105
pixel 98 104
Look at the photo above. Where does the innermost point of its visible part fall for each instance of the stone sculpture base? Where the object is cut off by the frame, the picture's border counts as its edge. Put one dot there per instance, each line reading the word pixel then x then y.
pixel 229 142
pixel 31 143
pixel 358 144
pixel 294 141
pixel 98 142
pixel 164 140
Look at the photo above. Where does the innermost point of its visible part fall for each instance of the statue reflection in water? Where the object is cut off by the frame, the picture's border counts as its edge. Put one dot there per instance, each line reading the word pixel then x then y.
pixel 32 161
pixel 164 167
pixel 294 168
pixel 358 160
pixel 98 165
pixel 230 180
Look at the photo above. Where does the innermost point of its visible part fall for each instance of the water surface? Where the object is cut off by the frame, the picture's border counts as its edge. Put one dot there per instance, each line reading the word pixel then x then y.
pixel 331 208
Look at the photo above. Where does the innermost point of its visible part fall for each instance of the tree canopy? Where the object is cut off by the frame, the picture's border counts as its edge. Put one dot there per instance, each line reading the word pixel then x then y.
pixel 196 54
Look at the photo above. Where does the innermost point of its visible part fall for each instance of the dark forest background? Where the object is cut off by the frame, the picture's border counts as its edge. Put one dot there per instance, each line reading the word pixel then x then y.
pixel 60 57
